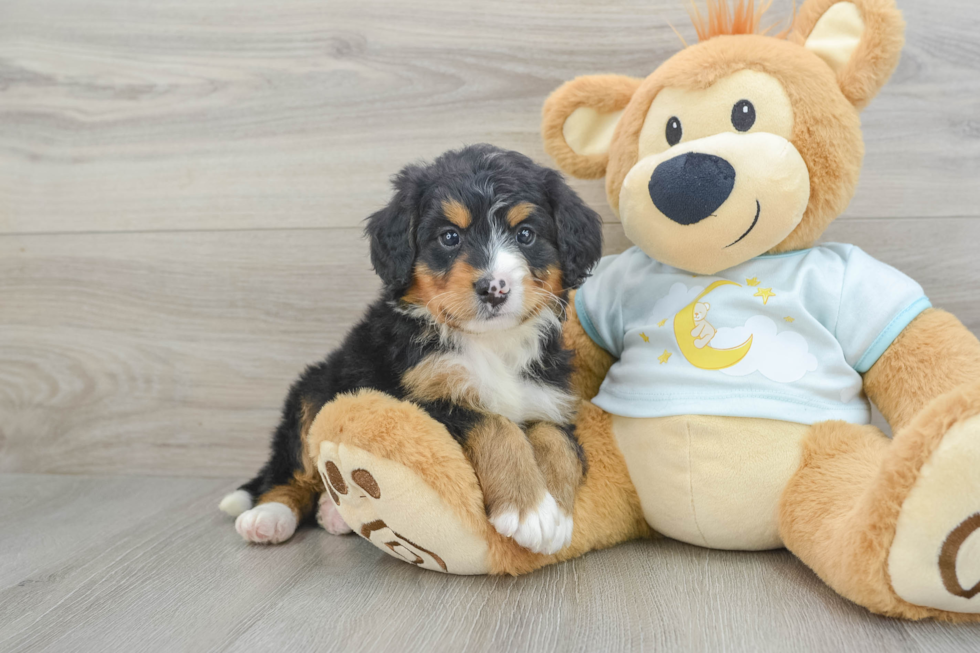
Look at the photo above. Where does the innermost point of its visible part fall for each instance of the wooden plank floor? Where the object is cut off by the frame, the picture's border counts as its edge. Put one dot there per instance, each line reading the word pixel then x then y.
pixel 181 190
pixel 126 564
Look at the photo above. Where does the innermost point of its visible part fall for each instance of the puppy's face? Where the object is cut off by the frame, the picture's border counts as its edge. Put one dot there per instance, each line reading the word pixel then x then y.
pixel 485 262
pixel 483 239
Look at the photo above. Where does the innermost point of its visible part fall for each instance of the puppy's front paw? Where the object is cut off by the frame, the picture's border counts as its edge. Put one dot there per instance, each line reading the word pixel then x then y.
pixel 543 529
pixel 517 499
pixel 267 523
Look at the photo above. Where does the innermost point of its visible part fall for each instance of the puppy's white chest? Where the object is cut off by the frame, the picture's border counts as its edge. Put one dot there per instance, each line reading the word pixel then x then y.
pixel 498 378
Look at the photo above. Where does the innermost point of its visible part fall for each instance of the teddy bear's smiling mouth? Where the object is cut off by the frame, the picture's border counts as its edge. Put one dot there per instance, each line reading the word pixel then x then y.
pixel 758 210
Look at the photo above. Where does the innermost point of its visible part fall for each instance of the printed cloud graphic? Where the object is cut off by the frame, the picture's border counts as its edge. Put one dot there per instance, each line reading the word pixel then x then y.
pixel 678 297
pixel 780 357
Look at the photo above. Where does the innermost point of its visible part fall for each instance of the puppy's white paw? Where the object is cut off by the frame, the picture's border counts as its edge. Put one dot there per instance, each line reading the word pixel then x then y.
pixel 565 527
pixel 235 503
pixel 267 523
pixel 545 529
pixel 506 522
pixel 329 517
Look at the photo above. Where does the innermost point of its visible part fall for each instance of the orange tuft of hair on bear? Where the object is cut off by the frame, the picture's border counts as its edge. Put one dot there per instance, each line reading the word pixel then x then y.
pixel 723 18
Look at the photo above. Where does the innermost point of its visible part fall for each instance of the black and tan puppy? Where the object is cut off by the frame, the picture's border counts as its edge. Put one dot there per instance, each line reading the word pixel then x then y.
pixel 477 252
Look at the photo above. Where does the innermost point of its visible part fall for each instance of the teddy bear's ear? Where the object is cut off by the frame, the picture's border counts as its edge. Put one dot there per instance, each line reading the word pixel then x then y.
pixel 579 119
pixel 860 40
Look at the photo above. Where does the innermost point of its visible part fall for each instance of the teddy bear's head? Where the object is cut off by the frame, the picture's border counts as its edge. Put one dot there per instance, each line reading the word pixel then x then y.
pixel 739 145
pixel 701 310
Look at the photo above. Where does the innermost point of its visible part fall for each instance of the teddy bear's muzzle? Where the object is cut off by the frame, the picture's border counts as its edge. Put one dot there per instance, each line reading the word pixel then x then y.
pixel 711 203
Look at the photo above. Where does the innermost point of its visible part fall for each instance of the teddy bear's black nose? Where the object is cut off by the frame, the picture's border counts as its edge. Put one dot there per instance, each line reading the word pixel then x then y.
pixel 690 187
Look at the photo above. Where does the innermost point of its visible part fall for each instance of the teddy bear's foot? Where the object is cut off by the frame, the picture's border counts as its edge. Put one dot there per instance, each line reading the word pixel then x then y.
pixel 393 508
pixel 397 478
pixel 894 525
pixel 934 559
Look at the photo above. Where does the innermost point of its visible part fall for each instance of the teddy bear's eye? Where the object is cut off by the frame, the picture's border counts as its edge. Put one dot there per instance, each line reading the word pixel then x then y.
pixel 674 131
pixel 743 115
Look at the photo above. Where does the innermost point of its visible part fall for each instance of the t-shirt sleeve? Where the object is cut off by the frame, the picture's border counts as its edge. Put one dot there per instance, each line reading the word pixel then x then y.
pixel 877 302
pixel 599 306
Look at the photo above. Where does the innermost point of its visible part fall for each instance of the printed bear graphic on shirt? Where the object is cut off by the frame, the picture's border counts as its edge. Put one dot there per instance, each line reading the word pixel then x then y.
pixel 703 331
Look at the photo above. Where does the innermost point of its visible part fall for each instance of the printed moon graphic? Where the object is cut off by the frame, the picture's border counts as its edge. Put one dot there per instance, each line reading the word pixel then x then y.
pixel 707 358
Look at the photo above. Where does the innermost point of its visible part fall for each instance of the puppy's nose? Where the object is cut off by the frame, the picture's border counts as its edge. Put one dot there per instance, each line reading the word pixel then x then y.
pixel 692 186
pixel 492 291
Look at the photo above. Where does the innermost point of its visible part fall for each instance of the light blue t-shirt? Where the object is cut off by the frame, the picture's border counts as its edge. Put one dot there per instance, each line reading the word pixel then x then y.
pixel 783 336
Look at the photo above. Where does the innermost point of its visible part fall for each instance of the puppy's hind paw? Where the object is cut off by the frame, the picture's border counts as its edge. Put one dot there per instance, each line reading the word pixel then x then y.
pixel 267 523
pixel 235 503
pixel 329 517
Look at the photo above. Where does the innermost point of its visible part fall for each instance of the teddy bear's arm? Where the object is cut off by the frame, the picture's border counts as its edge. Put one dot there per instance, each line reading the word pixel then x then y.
pixel 591 361
pixel 934 355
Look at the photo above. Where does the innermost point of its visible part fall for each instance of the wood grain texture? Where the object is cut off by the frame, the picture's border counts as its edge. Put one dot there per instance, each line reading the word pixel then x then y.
pixel 116 564
pixel 140 353
pixel 144 115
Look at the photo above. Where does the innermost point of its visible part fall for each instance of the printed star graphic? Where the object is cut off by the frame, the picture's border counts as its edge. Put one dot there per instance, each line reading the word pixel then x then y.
pixel 765 293
pixel 789 319
pixel 664 357
pixel 662 322
pixel 645 337
pixel 754 281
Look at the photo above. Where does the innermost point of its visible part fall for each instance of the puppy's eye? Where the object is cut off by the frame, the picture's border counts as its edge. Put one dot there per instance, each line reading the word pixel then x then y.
pixel 525 236
pixel 743 115
pixel 449 239
pixel 674 131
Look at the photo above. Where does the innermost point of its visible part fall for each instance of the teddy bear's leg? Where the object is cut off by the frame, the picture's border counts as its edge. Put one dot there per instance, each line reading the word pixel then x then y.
pixel 401 482
pixel 894 525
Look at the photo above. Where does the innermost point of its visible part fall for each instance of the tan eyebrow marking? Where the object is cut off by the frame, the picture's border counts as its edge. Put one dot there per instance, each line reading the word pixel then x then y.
pixel 518 212
pixel 456 213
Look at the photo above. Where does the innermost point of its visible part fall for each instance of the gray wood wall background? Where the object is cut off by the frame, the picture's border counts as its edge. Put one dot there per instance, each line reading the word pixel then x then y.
pixel 182 185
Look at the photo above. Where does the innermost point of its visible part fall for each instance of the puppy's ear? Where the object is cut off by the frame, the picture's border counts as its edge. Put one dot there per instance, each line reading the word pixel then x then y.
pixel 579 231
pixel 392 230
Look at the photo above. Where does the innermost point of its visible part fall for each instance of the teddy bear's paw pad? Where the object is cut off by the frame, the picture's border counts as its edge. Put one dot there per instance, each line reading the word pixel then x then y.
pixel 390 505
pixel 934 560
pixel 267 523
pixel 328 516
pixel 545 529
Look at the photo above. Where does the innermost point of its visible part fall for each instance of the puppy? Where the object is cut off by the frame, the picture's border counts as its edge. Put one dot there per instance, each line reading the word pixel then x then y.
pixel 477 252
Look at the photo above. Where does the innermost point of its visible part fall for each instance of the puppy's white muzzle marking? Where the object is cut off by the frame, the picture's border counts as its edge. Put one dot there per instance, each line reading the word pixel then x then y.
pixel 501 291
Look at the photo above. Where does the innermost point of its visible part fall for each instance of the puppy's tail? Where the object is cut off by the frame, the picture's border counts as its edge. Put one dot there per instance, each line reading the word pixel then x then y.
pixel 242 499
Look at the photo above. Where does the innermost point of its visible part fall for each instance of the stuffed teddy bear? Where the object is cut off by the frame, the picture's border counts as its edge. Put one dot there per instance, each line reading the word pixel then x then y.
pixel 752 431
